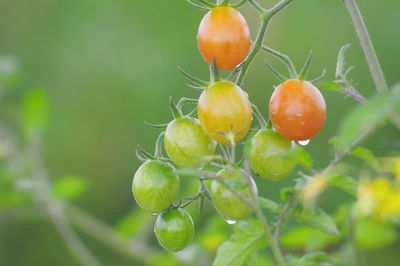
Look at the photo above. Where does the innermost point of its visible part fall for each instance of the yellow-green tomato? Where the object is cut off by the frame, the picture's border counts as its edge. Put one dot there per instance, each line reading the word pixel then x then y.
pixel 224 108
pixel 155 186
pixel 174 229
pixel 186 143
pixel 266 155
pixel 227 203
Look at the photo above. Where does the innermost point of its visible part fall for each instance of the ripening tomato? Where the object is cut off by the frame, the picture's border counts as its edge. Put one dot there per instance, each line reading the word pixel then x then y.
pixel 174 229
pixel 297 110
pixel 224 35
pixel 266 155
pixel 224 108
pixel 155 186
pixel 186 143
pixel 228 204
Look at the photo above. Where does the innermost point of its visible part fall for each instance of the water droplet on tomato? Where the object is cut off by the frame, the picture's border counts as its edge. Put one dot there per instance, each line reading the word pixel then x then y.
pixel 230 221
pixel 304 142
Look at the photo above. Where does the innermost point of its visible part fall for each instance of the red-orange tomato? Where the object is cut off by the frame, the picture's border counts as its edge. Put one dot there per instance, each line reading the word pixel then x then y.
pixel 224 35
pixel 297 110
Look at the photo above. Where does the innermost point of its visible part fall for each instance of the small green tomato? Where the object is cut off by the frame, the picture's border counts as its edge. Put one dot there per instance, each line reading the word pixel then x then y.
pixel 266 155
pixel 174 229
pixel 186 142
pixel 155 186
pixel 228 204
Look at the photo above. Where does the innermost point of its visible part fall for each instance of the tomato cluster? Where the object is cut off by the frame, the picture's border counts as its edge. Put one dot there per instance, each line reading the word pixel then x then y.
pixel 297 112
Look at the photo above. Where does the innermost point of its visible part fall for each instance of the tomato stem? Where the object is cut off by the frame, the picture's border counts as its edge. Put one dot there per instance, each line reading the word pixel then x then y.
pixel 259 117
pixel 238 4
pixel 304 70
pixel 207 4
pixel 215 74
pixel 278 75
pixel 257 209
pixel 175 112
pixel 266 16
pixel 197 6
pixel 283 58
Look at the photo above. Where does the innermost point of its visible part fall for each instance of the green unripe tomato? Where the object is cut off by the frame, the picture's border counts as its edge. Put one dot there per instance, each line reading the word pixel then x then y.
pixel 228 204
pixel 155 186
pixel 174 229
pixel 266 155
pixel 186 142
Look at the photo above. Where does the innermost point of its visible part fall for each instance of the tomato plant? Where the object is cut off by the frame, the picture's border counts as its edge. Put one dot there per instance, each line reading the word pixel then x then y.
pixel 224 35
pixel 214 152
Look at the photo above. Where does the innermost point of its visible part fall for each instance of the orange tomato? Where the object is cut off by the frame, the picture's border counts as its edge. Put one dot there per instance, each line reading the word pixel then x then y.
pixel 224 35
pixel 297 110
pixel 224 106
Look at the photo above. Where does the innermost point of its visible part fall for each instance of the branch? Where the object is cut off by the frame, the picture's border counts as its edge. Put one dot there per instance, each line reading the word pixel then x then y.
pixel 366 44
pixel 266 16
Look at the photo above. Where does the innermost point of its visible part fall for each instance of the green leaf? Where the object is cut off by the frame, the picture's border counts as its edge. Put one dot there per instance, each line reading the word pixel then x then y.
pixel 288 193
pixel 298 155
pixel 363 119
pixel 268 204
pixel 70 187
pixel 304 237
pixel 313 258
pixel 341 61
pixel 371 234
pixel 316 256
pixel 347 183
pixel 320 221
pixel 247 239
pixel 34 112
pixel 330 85
pixel 187 171
pixel 368 157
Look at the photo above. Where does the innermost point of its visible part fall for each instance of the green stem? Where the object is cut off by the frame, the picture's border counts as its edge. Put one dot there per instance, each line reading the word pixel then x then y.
pixel 284 59
pixel 266 16
pixel 85 222
pixel 276 251
pixel 366 44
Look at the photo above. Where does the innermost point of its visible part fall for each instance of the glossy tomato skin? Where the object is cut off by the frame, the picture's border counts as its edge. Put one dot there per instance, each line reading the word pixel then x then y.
pixel 174 229
pixel 297 110
pixel 224 35
pixel 267 152
pixel 224 106
pixel 227 203
pixel 186 142
pixel 155 186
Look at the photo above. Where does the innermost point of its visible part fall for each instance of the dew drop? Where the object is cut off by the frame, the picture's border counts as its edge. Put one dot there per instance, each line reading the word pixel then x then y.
pixel 304 142
pixel 299 114
pixel 301 122
pixel 154 214
pixel 230 221
pixel 275 173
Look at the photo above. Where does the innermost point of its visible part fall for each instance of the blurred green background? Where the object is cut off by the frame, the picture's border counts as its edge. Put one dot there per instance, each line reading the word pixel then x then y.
pixel 109 65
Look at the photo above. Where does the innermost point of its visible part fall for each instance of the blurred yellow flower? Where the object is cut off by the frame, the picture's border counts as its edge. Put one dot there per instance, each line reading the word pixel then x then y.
pixel 379 197
pixel 313 188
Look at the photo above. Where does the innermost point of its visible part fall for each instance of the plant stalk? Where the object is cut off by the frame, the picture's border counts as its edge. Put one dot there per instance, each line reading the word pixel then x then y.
pixel 266 16
pixel 366 45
